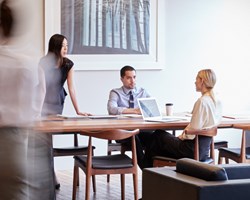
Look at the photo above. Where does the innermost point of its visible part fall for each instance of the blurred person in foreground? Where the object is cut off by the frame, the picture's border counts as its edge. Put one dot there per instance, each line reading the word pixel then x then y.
pixel 25 166
pixel 206 113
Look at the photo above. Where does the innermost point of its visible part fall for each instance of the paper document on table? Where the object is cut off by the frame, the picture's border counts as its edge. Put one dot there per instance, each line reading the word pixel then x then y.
pixel 103 116
pixel 88 117
pixel 131 115
pixel 237 116
pixel 51 118
pixel 183 114
pixel 72 116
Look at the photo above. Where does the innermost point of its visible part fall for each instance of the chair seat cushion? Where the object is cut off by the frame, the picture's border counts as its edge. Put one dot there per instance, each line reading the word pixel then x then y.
pixel 114 144
pixel 107 162
pixel 235 151
pixel 71 150
pixel 220 143
pixel 201 170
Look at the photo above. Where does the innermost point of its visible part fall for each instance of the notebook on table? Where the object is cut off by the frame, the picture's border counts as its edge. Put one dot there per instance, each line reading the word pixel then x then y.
pixel 88 117
pixel 151 112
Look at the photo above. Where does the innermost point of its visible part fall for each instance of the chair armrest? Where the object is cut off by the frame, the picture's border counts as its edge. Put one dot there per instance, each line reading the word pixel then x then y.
pixel 201 170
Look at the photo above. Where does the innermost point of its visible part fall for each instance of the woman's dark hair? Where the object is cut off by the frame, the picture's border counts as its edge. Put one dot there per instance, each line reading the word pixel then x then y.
pixel 6 19
pixel 55 46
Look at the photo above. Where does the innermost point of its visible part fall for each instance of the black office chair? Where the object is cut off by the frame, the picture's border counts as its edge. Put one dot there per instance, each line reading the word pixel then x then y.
pixel 107 164
pixel 160 161
pixel 239 155
pixel 70 151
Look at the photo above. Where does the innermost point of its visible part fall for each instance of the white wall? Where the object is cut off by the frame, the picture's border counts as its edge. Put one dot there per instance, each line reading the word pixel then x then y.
pixel 197 34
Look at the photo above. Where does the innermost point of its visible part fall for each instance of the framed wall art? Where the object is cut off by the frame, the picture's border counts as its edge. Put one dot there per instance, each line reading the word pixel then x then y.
pixel 105 35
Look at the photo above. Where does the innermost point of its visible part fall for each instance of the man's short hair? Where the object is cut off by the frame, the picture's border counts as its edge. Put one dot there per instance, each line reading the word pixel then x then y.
pixel 126 68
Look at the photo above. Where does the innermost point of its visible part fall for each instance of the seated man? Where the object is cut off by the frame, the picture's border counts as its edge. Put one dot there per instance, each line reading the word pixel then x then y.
pixel 123 100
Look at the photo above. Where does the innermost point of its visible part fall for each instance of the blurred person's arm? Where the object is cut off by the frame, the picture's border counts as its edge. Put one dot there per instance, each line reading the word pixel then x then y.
pixel 72 93
pixel 40 92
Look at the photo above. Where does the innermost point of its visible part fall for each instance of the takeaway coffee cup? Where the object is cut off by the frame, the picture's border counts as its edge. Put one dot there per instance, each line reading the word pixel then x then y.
pixel 169 109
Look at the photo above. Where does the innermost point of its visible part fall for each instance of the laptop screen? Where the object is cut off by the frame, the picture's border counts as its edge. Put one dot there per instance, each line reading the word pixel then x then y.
pixel 149 107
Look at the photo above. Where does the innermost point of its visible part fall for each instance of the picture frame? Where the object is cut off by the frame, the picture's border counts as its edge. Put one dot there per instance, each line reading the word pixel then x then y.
pixel 154 60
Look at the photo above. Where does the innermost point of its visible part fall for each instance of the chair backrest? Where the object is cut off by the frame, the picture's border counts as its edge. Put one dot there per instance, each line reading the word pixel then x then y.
pixel 248 138
pixel 211 132
pixel 114 134
pixel 244 144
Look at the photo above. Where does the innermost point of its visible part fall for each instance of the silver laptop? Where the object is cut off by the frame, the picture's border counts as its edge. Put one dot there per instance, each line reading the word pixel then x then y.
pixel 151 112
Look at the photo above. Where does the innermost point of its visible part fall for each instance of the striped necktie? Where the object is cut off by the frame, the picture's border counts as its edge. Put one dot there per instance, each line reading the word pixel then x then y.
pixel 131 100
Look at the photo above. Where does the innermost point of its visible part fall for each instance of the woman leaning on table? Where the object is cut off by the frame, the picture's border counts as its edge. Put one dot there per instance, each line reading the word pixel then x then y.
pixel 57 69
pixel 206 114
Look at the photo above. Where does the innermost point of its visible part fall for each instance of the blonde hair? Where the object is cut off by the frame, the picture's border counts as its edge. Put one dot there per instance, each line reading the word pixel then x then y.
pixel 209 79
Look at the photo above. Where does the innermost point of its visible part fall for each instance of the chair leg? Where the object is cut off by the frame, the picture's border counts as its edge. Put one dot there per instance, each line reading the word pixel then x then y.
pixel 123 186
pixel 108 176
pixel 57 184
pixel 135 180
pixel 220 159
pixel 75 176
pixel 94 183
pixel 87 189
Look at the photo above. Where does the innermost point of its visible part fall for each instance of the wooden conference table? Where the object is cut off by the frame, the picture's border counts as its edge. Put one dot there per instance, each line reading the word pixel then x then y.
pixel 242 126
pixel 66 126
pixel 75 125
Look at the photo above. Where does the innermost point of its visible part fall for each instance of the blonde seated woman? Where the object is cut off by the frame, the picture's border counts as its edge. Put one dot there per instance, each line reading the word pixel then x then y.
pixel 207 113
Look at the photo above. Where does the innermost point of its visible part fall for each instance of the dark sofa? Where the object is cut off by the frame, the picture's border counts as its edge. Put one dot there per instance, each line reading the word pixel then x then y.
pixel 193 180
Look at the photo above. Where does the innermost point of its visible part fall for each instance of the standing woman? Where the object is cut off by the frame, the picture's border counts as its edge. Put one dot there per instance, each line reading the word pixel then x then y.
pixel 206 113
pixel 58 68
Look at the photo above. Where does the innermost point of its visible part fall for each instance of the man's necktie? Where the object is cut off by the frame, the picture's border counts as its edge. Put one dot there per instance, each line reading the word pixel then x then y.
pixel 131 100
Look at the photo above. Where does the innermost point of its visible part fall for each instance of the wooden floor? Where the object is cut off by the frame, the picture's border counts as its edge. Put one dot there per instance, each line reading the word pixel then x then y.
pixel 104 190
